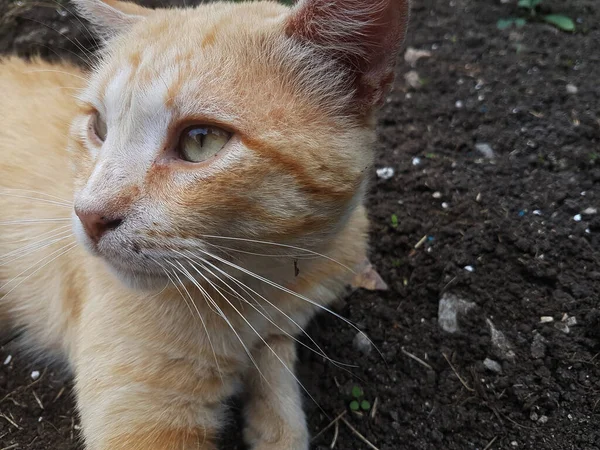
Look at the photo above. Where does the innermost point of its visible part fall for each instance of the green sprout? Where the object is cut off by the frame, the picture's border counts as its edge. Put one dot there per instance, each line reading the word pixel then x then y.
pixel 394 221
pixel 359 403
pixel 560 21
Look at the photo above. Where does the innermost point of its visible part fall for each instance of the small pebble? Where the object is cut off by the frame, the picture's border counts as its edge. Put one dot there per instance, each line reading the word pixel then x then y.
pixel 469 268
pixel 514 443
pixel 485 149
pixel 533 416
pixel 445 205
pixel 8 360
pixel 362 343
pixel 437 195
pixel 537 212
pixel 571 89
pixel 543 419
pixel 538 346
pixel 546 319
pixel 39 419
pixel 459 104
pixel 35 375
pixel 572 321
pixel 385 173
pixel 590 211
pixel 492 365
pixel 577 217
pixel 416 161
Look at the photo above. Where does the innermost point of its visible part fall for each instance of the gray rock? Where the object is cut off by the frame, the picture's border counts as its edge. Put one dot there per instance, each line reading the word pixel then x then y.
pixel 502 346
pixel 492 365
pixel 449 308
pixel 485 149
pixel 538 346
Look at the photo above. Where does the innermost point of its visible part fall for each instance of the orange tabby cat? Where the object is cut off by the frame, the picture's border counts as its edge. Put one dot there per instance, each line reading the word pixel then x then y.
pixel 173 219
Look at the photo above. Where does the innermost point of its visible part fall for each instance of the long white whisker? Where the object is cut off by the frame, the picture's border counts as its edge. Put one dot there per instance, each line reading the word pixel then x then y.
pixel 290 371
pixel 289 291
pixel 319 350
pixel 66 202
pixel 70 247
pixel 43 235
pixel 272 255
pixel 33 221
pixel 42 200
pixel 36 247
pixel 200 317
pixel 57 71
pixel 222 314
pixel 279 245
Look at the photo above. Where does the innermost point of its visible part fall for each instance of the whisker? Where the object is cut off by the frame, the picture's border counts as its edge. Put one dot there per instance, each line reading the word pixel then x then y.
pixel 28 239
pixel 33 221
pixel 318 352
pixel 66 202
pixel 295 294
pixel 70 247
pixel 222 314
pixel 33 248
pixel 280 245
pixel 272 255
pixel 57 71
pixel 290 371
pixel 199 316
pixel 42 200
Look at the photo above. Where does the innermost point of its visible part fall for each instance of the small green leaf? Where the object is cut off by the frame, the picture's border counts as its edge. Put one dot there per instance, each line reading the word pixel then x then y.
pixel 394 221
pixel 503 24
pixel 560 21
pixel 357 392
pixel 520 22
pixel 354 406
pixel 525 4
pixel 365 405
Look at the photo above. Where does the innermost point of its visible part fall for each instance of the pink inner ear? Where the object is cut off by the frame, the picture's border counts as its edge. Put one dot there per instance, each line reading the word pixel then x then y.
pixel 365 35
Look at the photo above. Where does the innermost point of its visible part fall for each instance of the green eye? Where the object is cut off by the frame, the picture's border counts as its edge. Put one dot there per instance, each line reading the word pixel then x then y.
pixel 199 143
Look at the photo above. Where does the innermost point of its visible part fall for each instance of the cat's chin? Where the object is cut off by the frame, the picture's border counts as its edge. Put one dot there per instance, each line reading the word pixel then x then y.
pixel 138 280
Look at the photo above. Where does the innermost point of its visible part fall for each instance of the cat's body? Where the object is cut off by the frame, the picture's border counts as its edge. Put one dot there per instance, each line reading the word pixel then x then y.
pixel 177 314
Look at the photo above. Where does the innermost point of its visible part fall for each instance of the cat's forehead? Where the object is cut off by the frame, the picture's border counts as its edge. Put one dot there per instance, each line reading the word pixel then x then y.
pixel 209 60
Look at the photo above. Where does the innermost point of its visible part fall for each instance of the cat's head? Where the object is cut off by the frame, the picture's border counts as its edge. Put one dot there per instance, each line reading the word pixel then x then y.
pixel 250 121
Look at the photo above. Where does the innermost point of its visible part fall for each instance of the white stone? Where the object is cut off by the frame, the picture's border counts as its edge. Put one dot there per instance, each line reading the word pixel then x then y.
pixel 35 375
pixel 437 195
pixel 590 211
pixel 492 365
pixel 469 268
pixel 8 360
pixel 571 89
pixel 459 104
pixel 546 319
pixel 449 307
pixel 577 217
pixel 416 161
pixel 485 149
pixel 385 173
pixel 362 343
pixel 501 344
pixel 445 205
pixel 412 55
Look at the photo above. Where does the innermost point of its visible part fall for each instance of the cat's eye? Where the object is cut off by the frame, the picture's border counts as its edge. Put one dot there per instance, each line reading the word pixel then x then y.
pixel 98 127
pixel 199 143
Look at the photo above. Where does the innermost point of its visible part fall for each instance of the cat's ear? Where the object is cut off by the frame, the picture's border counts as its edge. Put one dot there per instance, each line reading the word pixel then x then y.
pixel 110 17
pixel 365 35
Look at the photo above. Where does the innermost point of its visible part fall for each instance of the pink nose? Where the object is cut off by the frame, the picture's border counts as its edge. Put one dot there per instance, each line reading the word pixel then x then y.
pixel 96 225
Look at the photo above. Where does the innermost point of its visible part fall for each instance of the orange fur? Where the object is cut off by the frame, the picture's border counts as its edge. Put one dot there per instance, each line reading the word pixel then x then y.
pixel 157 337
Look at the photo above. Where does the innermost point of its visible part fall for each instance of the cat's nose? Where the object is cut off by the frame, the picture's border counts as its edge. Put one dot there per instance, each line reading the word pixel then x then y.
pixel 96 225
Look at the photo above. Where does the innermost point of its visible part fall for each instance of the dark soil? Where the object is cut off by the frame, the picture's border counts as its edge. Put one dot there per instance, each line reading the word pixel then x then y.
pixel 511 218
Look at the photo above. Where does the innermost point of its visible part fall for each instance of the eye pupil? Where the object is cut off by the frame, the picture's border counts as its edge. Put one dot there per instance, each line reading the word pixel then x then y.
pixel 199 143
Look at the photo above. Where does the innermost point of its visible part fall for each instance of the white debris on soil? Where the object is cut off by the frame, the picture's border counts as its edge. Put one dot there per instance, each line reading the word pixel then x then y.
pixel 546 319
pixel 416 161
pixel 362 343
pixel 412 55
pixel 35 375
pixel 492 365
pixel 437 195
pixel 413 79
pixel 445 205
pixel 543 419
pixel 449 308
pixel 501 344
pixel 538 346
pixel 485 149
pixel 537 212
pixel 385 173
pixel 469 268
pixel 590 211
pixel 459 104
pixel 572 321
pixel 562 326
pixel 7 360
pixel 577 217
pixel 571 89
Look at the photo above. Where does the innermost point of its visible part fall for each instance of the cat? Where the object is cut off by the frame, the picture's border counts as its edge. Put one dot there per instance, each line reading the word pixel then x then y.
pixel 174 217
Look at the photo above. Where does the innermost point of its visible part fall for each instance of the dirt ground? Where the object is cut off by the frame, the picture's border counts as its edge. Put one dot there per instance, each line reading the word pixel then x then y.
pixel 496 159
